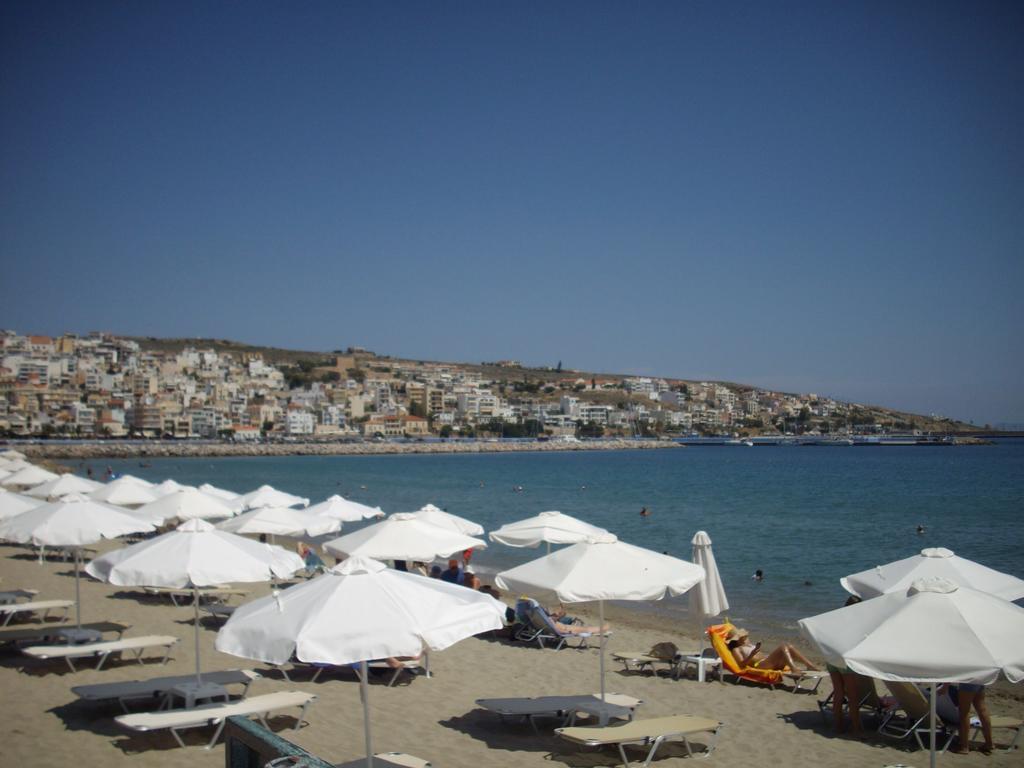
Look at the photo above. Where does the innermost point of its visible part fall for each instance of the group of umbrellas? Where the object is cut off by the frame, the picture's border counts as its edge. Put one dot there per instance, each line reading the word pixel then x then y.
pixel 928 619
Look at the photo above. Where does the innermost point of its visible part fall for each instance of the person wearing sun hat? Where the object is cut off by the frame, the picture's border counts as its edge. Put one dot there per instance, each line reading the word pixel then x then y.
pixel 749 655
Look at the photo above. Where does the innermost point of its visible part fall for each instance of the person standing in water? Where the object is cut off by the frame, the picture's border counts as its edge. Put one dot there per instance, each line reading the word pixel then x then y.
pixel 644 512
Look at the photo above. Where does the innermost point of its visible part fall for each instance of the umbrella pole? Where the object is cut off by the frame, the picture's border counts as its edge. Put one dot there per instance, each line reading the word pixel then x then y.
pixel 195 625
pixel 364 691
pixel 78 597
pixel 600 626
pixel 931 723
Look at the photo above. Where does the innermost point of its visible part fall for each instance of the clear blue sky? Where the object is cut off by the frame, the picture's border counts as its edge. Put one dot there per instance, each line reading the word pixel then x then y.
pixel 823 197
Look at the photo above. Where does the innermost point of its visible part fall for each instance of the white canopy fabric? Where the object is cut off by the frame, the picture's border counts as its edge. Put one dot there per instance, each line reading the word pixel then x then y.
pixel 937 561
pixel 5 473
pixel 135 480
pixel 602 568
pixel 402 537
pixel 933 632
pixel 74 521
pixel 170 486
pixel 12 504
pixel 125 492
pixel 185 504
pixel 435 516
pixel 707 598
pixel 62 486
pixel 28 477
pixel 550 527
pixel 393 614
pixel 12 455
pixel 194 555
pixel 220 493
pixel 268 496
pixel 14 465
pixel 281 521
pixel 345 510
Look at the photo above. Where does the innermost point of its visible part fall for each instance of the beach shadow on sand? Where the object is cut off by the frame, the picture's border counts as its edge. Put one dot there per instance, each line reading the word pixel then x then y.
pixel 517 735
pixel 812 721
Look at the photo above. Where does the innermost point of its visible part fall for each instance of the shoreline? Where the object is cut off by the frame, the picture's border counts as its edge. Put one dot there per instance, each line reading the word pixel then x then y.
pixel 175 449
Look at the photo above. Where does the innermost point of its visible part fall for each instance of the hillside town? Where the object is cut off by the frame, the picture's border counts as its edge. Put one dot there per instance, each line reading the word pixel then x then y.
pixel 104 386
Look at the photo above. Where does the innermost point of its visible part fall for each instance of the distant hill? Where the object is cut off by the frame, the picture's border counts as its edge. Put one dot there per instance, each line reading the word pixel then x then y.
pixel 507 375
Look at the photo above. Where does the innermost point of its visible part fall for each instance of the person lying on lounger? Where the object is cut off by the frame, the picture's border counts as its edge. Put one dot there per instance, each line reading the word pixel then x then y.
pixel 749 654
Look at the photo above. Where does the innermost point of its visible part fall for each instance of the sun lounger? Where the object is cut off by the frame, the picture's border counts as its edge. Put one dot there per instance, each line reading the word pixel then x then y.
pixel 412 666
pixel 868 700
pixel 388 760
pixel 666 654
pixel 131 690
pixel 219 611
pixel 48 633
pixel 9 596
pixel 177 720
pixel 1016 724
pixel 565 708
pixel 220 594
pixel 653 732
pixel 910 715
pixel 539 626
pixel 36 606
pixel 769 677
pixel 104 650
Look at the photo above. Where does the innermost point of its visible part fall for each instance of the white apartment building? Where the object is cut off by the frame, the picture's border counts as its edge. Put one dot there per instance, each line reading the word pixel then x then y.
pixel 299 422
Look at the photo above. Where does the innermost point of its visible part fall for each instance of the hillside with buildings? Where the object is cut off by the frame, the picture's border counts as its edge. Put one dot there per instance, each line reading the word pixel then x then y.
pixel 101 385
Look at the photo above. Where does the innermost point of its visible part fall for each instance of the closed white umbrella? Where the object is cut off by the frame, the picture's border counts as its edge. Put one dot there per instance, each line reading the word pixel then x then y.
pixel 12 504
pixel 185 504
pixel 935 561
pixel 345 510
pixel 932 632
pixel 194 555
pixel 74 521
pixel 394 614
pixel 707 598
pixel 603 568
pixel 268 496
pixel 402 537
pixel 550 527
pixel 62 486
pixel 435 516
pixel 125 492
pixel 281 521
pixel 28 477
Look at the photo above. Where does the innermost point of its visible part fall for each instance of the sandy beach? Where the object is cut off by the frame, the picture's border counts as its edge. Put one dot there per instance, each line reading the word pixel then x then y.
pixel 433 718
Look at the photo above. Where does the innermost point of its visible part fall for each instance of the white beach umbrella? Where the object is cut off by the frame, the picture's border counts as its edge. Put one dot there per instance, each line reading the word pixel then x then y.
pixel 28 477
pixel 934 561
pixel 395 614
pixel 13 465
pixel 170 486
pixel 75 521
pixel 345 510
pixel 5 473
pixel 134 480
pixel 549 527
pixel 12 455
pixel 436 516
pixel 268 496
pixel 12 504
pixel 402 537
pixel 602 568
pixel 281 521
pixel 220 493
pixel 62 486
pixel 194 555
pixel 124 492
pixel 185 504
pixel 707 598
pixel 932 632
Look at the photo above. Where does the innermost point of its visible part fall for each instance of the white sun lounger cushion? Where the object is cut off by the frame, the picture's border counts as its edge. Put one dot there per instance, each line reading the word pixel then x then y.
pixel 103 650
pixel 217 714
pixel 36 605
pixel 643 732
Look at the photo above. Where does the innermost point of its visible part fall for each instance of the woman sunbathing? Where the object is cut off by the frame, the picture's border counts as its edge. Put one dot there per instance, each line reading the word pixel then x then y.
pixel 749 655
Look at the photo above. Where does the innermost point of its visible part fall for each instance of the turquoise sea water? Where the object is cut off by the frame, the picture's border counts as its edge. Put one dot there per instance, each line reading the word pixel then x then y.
pixel 805 516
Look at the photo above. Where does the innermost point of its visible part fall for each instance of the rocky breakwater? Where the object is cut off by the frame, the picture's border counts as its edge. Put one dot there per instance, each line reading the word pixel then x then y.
pixel 172 448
